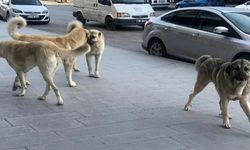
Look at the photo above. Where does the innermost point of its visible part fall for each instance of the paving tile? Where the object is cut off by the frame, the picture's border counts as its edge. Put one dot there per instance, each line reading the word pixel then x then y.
pixel 14 131
pixel 77 144
pixel 156 144
pixel 27 139
pixel 135 136
pixel 49 122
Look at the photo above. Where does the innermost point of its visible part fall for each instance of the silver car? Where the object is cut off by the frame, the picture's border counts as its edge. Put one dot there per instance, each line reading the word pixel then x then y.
pixel 191 32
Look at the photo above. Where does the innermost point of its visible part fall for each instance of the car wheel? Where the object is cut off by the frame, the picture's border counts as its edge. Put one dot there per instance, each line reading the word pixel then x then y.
pixel 246 56
pixel 157 48
pixel 80 18
pixel 109 23
pixel 7 17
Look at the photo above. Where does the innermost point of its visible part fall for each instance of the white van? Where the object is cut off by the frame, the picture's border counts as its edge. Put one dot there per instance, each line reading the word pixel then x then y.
pixel 113 12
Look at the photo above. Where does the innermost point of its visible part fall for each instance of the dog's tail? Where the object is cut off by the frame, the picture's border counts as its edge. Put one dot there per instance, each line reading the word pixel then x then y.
pixel 72 25
pixel 14 24
pixel 73 53
pixel 201 60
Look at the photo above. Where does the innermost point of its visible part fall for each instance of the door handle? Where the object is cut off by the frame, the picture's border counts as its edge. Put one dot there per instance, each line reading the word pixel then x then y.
pixel 195 35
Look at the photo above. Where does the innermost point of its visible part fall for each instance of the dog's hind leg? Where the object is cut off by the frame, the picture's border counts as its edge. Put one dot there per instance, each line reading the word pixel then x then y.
pixel 21 76
pixel 75 68
pixel 200 84
pixel 68 67
pixel 46 92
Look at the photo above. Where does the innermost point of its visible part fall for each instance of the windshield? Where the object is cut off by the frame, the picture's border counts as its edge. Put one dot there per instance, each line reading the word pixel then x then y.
pixel 240 20
pixel 129 1
pixel 26 2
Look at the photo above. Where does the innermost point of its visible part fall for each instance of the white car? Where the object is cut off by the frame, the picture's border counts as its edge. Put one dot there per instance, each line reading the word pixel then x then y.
pixel 246 5
pixel 31 10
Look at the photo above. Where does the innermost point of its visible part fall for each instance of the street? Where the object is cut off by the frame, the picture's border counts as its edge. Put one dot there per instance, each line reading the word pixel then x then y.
pixel 124 37
pixel 136 104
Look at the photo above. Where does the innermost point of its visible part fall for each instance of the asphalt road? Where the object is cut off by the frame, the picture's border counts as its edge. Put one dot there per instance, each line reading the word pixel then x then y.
pixel 129 38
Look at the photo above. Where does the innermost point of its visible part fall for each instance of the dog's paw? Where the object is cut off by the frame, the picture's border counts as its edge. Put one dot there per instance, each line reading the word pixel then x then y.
pixel 60 101
pixel 92 75
pixel 76 70
pixel 41 98
pixel 27 82
pixel 97 75
pixel 72 84
pixel 19 94
pixel 187 107
pixel 226 125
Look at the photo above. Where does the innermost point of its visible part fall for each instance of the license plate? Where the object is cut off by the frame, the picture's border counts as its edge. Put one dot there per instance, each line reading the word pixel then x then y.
pixel 140 20
pixel 162 1
pixel 33 16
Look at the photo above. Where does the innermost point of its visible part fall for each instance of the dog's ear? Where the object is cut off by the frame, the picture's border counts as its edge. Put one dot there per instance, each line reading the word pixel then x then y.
pixel 100 34
pixel 87 33
pixel 228 69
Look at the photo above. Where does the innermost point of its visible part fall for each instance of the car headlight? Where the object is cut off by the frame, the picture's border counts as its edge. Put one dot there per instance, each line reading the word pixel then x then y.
pixel 45 12
pixel 16 10
pixel 119 14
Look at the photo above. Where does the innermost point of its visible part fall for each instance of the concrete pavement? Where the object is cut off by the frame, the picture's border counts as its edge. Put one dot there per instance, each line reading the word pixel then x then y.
pixel 137 104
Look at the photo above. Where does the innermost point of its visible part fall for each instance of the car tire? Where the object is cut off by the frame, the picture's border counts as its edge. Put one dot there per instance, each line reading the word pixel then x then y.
pixel 157 48
pixel 7 17
pixel 109 23
pixel 246 56
pixel 80 18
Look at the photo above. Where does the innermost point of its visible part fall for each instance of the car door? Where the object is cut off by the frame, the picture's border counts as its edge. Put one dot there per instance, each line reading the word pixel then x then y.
pixel 103 9
pixel 179 33
pixel 209 42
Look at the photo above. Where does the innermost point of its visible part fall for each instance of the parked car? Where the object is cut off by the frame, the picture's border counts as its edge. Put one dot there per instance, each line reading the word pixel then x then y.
pixel 163 4
pixel 194 3
pixel 191 32
pixel 113 12
pixel 31 10
pixel 246 5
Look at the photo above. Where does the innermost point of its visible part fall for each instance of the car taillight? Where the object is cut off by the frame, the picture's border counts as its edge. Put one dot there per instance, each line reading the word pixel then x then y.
pixel 147 24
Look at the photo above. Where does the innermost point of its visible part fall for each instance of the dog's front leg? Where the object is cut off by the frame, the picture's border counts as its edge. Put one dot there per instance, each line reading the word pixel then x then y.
pixel 88 59
pixel 21 76
pixel 224 106
pixel 97 65
pixel 244 103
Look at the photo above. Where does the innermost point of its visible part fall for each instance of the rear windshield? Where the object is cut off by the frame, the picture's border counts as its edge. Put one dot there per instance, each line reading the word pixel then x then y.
pixel 240 20
pixel 26 2
pixel 129 1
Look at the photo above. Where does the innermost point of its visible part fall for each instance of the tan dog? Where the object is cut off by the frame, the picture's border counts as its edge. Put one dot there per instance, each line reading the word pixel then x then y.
pixel 75 37
pixel 97 44
pixel 231 79
pixel 23 56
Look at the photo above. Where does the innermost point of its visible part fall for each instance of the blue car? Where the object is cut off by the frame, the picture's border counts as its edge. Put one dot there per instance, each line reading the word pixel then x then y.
pixel 194 3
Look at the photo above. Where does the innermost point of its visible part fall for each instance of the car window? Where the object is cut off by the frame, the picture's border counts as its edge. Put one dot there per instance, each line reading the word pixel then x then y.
pixel 184 18
pixel 26 2
pixel 208 21
pixel 240 19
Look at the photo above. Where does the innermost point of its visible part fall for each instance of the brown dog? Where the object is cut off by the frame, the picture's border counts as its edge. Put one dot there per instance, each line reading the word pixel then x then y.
pixel 23 56
pixel 231 79
pixel 75 37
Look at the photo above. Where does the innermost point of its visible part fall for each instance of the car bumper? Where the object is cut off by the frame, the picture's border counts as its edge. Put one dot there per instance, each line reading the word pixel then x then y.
pixel 130 21
pixel 34 18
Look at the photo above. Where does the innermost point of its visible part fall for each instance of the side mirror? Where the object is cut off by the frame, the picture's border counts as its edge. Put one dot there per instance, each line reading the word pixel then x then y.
pixel 221 30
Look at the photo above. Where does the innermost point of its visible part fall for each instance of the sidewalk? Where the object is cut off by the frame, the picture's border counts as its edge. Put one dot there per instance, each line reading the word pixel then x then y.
pixel 137 104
